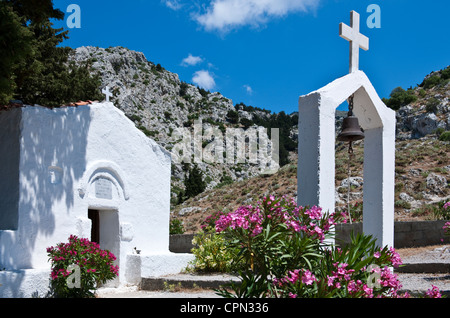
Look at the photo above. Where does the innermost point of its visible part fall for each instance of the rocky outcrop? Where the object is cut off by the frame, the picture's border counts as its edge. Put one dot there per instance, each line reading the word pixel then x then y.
pixel 429 114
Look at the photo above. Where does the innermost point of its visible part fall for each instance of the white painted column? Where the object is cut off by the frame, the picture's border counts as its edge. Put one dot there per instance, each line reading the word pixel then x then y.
pixel 379 182
pixel 308 151
pixel 316 160
pixel 378 122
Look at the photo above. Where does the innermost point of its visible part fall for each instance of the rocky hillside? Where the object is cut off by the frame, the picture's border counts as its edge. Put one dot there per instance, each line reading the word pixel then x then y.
pixel 159 103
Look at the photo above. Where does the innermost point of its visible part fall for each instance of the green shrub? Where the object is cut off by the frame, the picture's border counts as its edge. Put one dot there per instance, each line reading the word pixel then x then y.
pixel 431 105
pixel 431 81
pixel 439 131
pixel 399 97
pixel 445 73
pixel 212 253
pixel 203 92
pixel 402 204
pixel 176 227
pixel 148 133
pixel 445 136
pixel 233 116
pixel 183 89
pixel 224 180
pixel 436 211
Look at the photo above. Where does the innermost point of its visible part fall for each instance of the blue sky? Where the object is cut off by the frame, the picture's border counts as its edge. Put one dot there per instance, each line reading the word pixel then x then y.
pixel 267 53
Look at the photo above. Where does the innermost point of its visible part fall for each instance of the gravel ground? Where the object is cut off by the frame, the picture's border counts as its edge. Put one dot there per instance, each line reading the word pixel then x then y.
pixel 426 254
pixel 420 282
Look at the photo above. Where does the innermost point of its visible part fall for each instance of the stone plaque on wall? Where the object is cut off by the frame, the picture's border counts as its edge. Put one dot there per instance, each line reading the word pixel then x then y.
pixel 103 189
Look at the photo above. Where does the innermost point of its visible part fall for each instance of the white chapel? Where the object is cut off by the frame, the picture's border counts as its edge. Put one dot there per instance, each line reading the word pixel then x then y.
pixel 84 171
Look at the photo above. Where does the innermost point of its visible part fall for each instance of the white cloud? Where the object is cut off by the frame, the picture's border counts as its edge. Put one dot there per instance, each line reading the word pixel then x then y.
pixel 172 4
pixel 204 79
pixel 248 89
pixel 223 15
pixel 191 60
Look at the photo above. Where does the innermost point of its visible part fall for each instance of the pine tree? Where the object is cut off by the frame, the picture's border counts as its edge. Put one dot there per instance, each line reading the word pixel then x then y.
pixel 194 183
pixel 40 73
pixel 16 43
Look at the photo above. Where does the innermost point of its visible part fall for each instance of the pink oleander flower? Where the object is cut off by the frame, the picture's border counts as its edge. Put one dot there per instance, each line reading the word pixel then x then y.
pixel 330 280
pixel 368 292
pixel 352 287
pixel 389 279
pixel 314 213
pixel 446 227
pixel 308 278
pixel 433 292
pixel 246 217
pixel 295 276
pixel 395 258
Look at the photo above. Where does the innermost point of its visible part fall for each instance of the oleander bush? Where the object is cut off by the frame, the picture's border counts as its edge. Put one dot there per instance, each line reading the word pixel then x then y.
pixel 79 267
pixel 284 250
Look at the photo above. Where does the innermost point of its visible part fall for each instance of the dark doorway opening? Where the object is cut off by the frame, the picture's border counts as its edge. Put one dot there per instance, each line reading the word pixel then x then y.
pixel 94 216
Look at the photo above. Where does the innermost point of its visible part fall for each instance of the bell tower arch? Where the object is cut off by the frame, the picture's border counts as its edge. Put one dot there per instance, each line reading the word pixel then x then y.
pixel 316 151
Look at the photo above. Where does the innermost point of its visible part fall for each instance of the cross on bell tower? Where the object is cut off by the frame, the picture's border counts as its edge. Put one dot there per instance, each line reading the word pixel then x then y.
pixel 357 40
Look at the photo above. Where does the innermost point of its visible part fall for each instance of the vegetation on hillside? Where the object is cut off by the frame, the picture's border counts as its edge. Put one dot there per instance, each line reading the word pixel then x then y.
pixel 400 97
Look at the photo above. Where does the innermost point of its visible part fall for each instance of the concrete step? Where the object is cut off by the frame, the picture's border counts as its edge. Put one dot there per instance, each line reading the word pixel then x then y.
pixel 187 281
pixel 431 268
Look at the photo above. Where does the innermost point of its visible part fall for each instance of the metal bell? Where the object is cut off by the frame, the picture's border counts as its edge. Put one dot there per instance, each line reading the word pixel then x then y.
pixel 350 130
